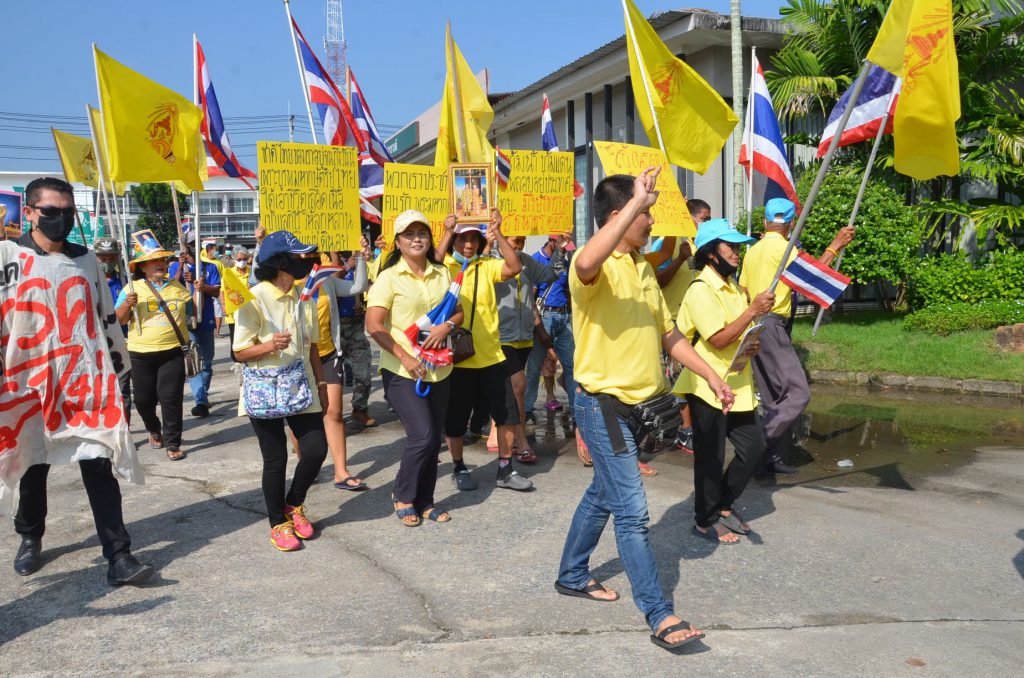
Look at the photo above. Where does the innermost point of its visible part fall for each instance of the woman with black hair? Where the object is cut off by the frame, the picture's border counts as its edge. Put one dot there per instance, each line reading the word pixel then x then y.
pixel 276 335
pixel 715 313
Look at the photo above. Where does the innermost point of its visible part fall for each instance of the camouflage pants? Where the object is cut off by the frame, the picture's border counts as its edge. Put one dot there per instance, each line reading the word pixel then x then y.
pixel 356 347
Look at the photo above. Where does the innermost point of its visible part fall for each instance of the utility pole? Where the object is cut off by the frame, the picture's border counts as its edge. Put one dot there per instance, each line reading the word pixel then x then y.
pixel 291 124
pixel 736 30
pixel 334 41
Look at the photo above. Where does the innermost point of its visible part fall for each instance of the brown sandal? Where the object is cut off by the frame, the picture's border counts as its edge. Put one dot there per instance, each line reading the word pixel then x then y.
pixel 155 441
pixel 175 455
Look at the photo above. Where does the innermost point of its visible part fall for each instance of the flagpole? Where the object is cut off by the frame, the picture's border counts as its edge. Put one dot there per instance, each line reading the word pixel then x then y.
pixel 858 85
pixel 750 141
pixel 459 120
pixel 195 194
pixel 647 88
pixel 64 168
pixel 302 71
pixel 863 185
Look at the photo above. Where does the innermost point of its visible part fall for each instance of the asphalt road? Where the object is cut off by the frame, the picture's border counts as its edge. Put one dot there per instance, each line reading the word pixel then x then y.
pixel 923 579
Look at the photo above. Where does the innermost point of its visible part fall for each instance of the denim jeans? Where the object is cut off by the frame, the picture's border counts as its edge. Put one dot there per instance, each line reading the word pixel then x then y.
pixel 200 384
pixel 559 326
pixel 618 491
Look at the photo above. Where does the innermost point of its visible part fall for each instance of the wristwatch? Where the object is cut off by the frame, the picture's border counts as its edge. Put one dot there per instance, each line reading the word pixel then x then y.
pixel 450 324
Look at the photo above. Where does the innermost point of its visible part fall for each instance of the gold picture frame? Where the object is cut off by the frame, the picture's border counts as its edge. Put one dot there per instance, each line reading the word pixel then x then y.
pixel 470 191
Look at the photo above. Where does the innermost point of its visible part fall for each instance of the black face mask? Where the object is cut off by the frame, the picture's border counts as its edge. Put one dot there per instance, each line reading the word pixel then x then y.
pixel 299 268
pixel 56 228
pixel 722 267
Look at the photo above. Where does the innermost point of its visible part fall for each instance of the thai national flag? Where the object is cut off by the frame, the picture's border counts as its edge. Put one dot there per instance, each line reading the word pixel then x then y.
pixel 502 168
pixel 335 115
pixel 317 277
pixel 432 358
pixel 771 177
pixel 365 124
pixel 218 146
pixel 880 93
pixel 814 280
pixel 550 141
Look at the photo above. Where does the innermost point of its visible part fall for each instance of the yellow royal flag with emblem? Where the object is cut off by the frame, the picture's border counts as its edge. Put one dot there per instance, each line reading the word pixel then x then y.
pixel 694 120
pixel 77 158
pixel 152 132
pixel 97 126
pixel 463 98
pixel 915 42
pixel 236 290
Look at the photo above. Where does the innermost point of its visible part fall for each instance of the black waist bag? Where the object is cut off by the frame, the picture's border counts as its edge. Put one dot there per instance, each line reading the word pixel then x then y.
pixel 652 420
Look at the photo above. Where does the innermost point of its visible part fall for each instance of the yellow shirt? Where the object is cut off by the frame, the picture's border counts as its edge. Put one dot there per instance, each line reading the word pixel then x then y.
pixel 323 316
pixel 709 305
pixel 157 332
pixel 676 288
pixel 759 266
pixel 270 311
pixel 486 336
pixel 407 297
pixel 618 321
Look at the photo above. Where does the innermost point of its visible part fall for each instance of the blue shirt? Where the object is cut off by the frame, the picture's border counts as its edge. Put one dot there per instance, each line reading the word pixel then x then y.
pixel 212 278
pixel 559 295
pixel 116 286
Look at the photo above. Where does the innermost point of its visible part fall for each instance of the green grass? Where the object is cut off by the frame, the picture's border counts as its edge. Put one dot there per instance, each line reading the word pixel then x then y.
pixel 877 342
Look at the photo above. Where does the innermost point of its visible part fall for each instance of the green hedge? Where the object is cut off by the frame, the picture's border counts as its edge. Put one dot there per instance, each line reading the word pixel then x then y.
pixel 947 318
pixel 951 279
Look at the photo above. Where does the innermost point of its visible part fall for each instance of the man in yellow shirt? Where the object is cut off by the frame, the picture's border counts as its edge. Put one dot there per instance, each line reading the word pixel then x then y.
pixel 777 370
pixel 621 324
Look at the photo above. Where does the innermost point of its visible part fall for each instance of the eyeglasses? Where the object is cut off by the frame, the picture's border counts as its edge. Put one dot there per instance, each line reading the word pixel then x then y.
pixel 48 211
pixel 415 235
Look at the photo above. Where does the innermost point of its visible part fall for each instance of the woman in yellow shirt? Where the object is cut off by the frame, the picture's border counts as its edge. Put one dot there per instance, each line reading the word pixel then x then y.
pixel 409 286
pixel 715 313
pixel 158 364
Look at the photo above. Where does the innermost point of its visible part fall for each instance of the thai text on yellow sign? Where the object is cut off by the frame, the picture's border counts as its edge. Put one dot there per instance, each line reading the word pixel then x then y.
pixel 415 187
pixel 538 199
pixel 312 191
pixel 670 214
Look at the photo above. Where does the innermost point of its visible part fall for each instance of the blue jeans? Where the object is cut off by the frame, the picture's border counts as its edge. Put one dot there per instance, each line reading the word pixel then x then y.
pixel 618 491
pixel 559 326
pixel 200 384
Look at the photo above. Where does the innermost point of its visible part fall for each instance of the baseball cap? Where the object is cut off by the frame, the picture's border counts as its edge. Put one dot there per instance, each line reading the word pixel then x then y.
pixel 408 218
pixel 468 228
pixel 720 229
pixel 283 242
pixel 779 206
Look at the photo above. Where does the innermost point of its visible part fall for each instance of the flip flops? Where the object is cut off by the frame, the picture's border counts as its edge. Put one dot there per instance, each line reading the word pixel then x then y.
pixel 659 638
pixel 586 592
pixel 734 521
pixel 343 484
pixel 715 533
pixel 436 516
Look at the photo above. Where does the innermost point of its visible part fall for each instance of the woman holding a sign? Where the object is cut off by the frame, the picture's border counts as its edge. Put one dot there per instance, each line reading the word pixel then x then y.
pixel 715 314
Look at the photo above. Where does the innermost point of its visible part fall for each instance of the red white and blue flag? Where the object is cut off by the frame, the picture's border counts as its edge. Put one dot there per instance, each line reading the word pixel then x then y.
pixel 880 93
pixel 317 277
pixel 814 280
pixel 432 358
pixel 335 116
pixel 365 124
pixel 215 136
pixel 763 150
pixel 502 168
pixel 550 142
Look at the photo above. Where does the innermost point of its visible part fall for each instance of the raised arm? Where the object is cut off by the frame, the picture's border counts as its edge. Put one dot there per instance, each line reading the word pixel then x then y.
pixel 446 239
pixel 511 266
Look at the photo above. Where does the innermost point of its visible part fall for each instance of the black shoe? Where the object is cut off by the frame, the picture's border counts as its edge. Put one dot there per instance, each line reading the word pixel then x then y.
pixel 778 467
pixel 29 558
pixel 126 569
pixel 201 411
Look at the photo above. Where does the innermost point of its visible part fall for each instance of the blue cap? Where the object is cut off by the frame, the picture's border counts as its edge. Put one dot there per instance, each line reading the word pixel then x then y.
pixel 779 206
pixel 720 229
pixel 282 242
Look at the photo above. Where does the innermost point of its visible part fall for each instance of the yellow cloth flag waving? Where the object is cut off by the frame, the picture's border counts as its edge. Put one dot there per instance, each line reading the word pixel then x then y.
pixel 694 120
pixel 152 132
pixel 96 125
pixel 476 112
pixel 236 290
pixel 77 158
pixel 915 42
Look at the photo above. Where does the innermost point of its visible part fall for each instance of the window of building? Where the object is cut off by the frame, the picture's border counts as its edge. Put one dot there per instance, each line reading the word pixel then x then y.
pixel 580 218
pixel 236 205
pixel 209 205
pixel 242 226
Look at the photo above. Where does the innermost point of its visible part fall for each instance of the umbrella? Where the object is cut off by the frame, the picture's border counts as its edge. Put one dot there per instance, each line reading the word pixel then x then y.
pixel 432 358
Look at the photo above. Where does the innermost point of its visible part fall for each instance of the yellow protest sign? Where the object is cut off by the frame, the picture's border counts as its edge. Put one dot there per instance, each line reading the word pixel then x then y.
pixel 414 187
pixel 312 191
pixel 670 214
pixel 538 200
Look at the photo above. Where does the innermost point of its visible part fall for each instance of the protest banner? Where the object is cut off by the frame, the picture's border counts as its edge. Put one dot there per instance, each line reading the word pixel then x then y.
pixel 312 191
pixel 415 187
pixel 670 214
pixel 539 196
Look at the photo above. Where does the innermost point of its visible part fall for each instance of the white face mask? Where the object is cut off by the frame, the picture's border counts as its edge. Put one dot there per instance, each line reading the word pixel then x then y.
pixel 240 264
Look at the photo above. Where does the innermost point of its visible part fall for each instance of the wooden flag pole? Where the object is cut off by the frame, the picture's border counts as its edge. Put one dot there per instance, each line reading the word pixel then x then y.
pixel 195 194
pixel 64 168
pixel 459 119
pixel 643 77
pixel 302 71
pixel 750 141
pixel 863 185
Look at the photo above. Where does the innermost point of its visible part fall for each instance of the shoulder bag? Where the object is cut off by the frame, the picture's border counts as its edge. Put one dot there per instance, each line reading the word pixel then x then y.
pixel 277 392
pixel 193 363
pixel 462 338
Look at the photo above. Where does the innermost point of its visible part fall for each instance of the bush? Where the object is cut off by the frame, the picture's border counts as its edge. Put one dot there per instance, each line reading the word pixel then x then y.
pixel 959 317
pixel 949 279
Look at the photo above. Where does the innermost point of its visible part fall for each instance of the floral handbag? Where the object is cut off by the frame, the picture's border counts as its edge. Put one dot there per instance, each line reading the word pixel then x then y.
pixel 276 392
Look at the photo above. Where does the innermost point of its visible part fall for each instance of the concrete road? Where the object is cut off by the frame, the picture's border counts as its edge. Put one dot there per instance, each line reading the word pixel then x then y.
pixel 926 579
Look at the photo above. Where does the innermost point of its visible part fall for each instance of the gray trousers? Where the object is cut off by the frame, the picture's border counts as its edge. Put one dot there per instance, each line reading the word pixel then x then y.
pixel 781 380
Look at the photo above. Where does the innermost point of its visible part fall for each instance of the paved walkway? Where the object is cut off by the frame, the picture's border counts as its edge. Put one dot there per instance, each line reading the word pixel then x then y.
pixel 858 579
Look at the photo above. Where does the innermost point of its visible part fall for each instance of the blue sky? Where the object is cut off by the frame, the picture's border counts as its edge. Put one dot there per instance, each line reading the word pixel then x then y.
pixel 395 47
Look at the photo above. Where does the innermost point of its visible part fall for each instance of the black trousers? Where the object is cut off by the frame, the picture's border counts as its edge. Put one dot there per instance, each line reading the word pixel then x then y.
pixel 104 498
pixel 159 378
pixel 714 490
pixel 423 420
pixel 125 382
pixel 231 340
pixel 309 429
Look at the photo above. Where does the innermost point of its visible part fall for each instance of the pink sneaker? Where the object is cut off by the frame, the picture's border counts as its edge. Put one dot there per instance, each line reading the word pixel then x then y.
pixel 553 406
pixel 297 514
pixel 283 537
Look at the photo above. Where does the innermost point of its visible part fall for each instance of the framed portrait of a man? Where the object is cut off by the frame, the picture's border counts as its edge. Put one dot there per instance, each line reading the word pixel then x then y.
pixel 471 194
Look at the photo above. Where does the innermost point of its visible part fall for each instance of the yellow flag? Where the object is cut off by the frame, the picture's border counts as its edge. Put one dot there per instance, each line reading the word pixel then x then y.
pixel 152 132
pixel 236 290
pixel 202 169
pixel 476 113
pixel 694 120
pixel 916 43
pixel 97 130
pixel 77 158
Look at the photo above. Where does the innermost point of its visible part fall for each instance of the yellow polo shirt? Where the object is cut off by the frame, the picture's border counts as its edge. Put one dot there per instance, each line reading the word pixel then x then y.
pixel 759 266
pixel 407 298
pixel 323 317
pixel 486 335
pixel 270 311
pixel 676 288
pixel 618 321
pixel 709 305
pixel 157 333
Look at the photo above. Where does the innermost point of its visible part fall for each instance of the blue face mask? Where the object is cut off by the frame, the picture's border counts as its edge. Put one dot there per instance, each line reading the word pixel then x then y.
pixel 376 252
pixel 463 260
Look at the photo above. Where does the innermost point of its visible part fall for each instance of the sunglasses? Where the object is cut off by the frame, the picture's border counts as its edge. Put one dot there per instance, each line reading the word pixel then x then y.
pixel 48 211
